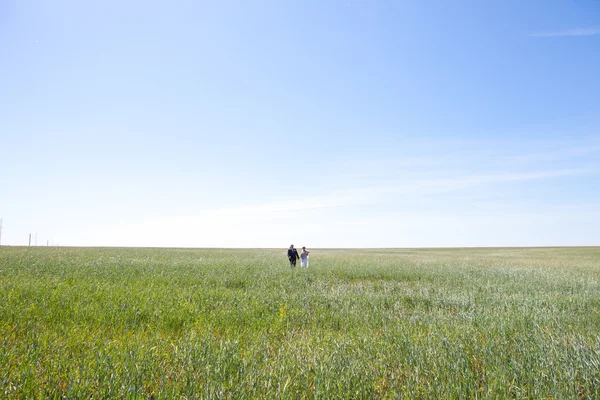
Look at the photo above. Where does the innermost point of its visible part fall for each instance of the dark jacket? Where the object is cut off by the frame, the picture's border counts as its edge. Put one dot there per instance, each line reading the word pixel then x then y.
pixel 293 254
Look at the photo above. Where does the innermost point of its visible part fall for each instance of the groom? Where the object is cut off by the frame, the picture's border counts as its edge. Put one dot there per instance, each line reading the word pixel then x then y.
pixel 293 255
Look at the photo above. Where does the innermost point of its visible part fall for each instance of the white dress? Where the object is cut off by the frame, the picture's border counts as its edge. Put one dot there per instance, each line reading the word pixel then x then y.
pixel 304 258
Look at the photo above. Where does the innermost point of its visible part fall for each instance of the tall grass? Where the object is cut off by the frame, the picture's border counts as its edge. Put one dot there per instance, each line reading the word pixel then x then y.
pixel 164 323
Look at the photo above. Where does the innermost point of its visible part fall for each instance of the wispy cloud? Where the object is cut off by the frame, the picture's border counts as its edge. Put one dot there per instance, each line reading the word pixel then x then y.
pixel 569 32
pixel 280 210
pixel 330 219
pixel 371 195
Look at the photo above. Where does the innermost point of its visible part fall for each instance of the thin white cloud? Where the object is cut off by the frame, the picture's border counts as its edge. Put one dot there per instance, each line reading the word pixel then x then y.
pixel 418 187
pixel 334 199
pixel 512 177
pixel 569 32
pixel 368 195
pixel 313 220
pixel 557 154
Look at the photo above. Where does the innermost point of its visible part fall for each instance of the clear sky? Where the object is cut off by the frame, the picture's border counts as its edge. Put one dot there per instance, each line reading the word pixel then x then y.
pixel 319 123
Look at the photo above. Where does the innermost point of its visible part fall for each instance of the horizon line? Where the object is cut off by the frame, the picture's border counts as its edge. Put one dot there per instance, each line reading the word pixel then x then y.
pixel 318 248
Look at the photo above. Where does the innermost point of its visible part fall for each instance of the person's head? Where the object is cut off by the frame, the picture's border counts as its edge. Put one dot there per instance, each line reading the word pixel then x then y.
pixel 291 246
pixel 303 247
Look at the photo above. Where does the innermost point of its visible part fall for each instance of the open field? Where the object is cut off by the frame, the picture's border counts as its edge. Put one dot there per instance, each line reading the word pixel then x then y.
pixel 183 323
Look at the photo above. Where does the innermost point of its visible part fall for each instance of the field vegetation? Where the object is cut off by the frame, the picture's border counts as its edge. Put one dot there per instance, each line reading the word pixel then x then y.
pixel 212 323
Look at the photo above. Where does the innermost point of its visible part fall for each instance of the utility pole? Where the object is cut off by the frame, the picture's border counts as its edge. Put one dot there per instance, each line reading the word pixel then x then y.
pixel 30 240
pixel 0 231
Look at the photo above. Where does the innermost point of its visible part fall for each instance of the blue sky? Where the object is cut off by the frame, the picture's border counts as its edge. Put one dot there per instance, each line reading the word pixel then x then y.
pixel 322 123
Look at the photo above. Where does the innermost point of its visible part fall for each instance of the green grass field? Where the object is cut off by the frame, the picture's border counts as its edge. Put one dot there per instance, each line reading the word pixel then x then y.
pixel 183 323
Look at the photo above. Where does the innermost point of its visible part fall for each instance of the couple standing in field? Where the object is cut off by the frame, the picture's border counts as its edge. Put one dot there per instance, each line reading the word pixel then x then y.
pixel 293 256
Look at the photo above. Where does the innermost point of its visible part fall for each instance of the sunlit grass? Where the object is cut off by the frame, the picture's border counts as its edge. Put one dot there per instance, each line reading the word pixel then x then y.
pixel 464 323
